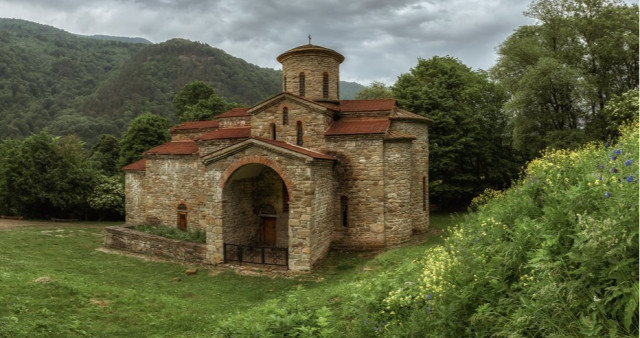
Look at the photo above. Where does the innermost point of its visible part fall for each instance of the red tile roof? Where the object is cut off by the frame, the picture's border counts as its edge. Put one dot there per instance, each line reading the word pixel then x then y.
pixel 367 105
pixel 174 148
pixel 194 125
pixel 136 166
pixel 403 114
pixel 296 149
pixel 226 133
pixel 358 126
pixel 235 112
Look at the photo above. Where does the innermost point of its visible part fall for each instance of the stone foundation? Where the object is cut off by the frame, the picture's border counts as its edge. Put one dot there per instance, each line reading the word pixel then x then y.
pixel 129 240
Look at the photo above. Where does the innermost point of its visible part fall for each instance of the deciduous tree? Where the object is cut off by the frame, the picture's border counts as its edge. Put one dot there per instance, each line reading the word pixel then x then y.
pixel 469 140
pixel 145 131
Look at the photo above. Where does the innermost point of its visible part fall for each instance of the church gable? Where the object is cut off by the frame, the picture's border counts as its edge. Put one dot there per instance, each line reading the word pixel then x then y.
pixel 291 119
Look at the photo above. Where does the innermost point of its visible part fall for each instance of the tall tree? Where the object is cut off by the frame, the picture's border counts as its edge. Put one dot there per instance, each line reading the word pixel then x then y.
pixel 469 143
pixel 197 101
pixel 561 72
pixel 105 154
pixel 45 176
pixel 145 131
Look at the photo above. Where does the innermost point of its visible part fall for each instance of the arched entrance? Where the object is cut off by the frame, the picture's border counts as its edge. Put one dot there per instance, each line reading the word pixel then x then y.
pixel 255 216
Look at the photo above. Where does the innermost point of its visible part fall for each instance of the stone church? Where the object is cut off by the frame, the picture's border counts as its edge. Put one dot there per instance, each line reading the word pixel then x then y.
pixel 295 175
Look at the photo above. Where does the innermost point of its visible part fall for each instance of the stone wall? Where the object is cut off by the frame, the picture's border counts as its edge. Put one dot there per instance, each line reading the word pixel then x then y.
pixel 398 183
pixel 235 122
pixel 170 181
pixel 419 170
pixel 313 67
pixel 209 146
pixel 129 240
pixel 314 124
pixel 323 220
pixel 135 197
pixel 237 208
pixel 360 177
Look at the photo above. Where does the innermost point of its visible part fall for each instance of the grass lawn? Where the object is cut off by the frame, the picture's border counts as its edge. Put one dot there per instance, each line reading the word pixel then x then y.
pixel 53 282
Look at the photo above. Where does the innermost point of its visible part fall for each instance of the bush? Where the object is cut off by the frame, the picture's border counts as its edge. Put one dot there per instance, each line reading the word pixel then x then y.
pixel 556 255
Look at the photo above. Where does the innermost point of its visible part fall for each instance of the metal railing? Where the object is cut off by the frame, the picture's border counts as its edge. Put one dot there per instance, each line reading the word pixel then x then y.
pixel 267 255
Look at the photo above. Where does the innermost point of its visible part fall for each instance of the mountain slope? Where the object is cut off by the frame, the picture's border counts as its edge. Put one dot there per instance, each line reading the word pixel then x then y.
pixel 90 85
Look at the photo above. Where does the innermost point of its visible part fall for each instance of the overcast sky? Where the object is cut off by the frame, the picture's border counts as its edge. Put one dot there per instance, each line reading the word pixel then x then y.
pixel 380 39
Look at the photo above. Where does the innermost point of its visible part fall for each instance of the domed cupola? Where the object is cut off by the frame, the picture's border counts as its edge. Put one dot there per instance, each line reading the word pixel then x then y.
pixel 311 71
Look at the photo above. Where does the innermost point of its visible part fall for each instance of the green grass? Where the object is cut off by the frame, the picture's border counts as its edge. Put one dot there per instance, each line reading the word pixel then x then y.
pixel 105 295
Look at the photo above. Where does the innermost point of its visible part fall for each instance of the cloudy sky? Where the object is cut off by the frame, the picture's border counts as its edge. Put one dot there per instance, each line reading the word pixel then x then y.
pixel 380 39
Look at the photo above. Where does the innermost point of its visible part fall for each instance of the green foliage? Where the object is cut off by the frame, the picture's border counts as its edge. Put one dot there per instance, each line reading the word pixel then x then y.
pixel 619 110
pixel 198 102
pixel 376 90
pixel 192 235
pixel 145 131
pixel 45 176
pixel 468 142
pixel 105 154
pixel 107 197
pixel 561 72
pixel 44 75
pixel 555 255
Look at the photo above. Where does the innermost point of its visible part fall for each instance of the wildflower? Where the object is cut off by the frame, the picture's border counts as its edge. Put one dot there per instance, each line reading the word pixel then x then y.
pixel 614 170
pixel 613 157
pixel 628 162
pixel 618 151
pixel 607 195
pixel 429 297
pixel 602 166
pixel 629 178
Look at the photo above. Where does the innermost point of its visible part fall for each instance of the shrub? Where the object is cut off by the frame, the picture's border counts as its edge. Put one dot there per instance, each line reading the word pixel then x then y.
pixel 555 255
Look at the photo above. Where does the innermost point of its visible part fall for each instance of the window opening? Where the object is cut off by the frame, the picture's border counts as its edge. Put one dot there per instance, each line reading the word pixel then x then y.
pixel 344 210
pixel 301 84
pixel 299 133
pixel 285 198
pixel 273 131
pixel 285 115
pixel 325 85
pixel 182 217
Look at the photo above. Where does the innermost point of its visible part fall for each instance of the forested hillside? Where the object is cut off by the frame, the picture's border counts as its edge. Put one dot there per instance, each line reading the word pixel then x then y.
pixel 45 73
pixel 88 86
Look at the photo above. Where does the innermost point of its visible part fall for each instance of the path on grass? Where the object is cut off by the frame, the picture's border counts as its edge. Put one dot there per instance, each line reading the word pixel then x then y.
pixel 8 224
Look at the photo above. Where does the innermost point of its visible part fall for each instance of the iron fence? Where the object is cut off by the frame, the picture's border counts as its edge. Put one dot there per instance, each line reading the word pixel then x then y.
pixel 256 254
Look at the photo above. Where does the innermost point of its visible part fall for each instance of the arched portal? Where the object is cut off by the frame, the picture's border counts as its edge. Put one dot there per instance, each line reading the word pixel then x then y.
pixel 253 209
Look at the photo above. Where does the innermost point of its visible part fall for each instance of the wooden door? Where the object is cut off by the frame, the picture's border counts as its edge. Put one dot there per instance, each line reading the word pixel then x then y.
pixel 182 221
pixel 268 231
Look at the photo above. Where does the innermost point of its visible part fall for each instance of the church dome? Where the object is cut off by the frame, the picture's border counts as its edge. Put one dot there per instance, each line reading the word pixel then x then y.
pixel 310 49
pixel 311 71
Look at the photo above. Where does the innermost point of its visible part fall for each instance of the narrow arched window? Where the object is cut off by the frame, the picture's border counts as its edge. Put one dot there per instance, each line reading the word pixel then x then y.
pixel 273 131
pixel 325 85
pixel 424 193
pixel 284 83
pixel 344 210
pixel 182 217
pixel 301 84
pixel 285 198
pixel 299 133
pixel 285 115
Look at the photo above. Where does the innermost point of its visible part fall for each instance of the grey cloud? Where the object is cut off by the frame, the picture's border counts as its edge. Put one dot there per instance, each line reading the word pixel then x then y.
pixel 380 39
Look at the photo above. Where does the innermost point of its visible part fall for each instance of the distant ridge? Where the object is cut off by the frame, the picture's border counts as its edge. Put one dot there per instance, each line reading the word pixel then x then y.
pixel 119 38
pixel 90 85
